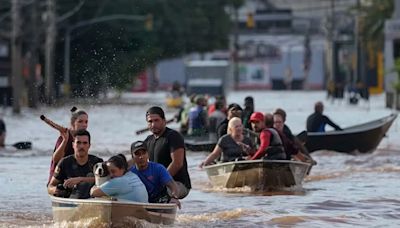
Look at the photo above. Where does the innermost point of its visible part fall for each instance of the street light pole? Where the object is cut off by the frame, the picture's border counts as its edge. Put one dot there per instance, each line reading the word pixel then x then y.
pixel 67 41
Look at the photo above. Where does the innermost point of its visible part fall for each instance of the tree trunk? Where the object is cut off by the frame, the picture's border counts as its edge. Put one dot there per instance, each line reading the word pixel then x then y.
pixel 49 51
pixel 34 48
pixel 16 48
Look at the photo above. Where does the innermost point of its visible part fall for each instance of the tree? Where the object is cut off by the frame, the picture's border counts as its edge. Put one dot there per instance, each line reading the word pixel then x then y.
pixel 113 52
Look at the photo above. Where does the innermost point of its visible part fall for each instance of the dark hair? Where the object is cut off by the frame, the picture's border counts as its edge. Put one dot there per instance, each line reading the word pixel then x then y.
pixel 81 133
pixel 281 112
pixel 156 110
pixel 234 106
pixel 75 113
pixel 119 161
pixel 319 107
pixel 219 105
pixel 269 120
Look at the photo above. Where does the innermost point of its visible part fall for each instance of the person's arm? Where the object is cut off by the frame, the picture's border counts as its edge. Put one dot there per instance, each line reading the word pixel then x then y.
pixel 332 124
pixel 52 187
pixel 211 157
pixel 264 138
pixel 177 156
pixel 96 192
pixel 171 185
pixel 177 148
pixel 71 182
pixel 59 153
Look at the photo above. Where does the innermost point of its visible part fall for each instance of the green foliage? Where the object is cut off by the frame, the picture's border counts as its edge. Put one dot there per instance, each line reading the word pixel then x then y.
pixel 112 53
pixel 373 16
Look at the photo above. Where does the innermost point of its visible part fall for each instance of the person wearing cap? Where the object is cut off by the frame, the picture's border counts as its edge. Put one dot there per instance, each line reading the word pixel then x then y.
pixel 123 185
pixel 316 122
pixel 166 146
pixel 234 110
pixel 232 146
pixel 270 146
pixel 154 176
pixel 198 118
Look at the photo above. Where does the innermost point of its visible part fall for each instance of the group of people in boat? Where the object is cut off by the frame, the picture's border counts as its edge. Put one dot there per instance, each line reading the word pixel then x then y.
pixel 157 172
pixel 244 134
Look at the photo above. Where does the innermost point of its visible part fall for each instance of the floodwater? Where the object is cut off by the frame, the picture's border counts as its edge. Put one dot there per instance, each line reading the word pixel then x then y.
pixel 341 191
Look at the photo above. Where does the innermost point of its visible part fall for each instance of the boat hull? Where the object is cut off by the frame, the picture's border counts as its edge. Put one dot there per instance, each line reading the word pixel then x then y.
pixel 110 212
pixel 259 175
pixel 362 138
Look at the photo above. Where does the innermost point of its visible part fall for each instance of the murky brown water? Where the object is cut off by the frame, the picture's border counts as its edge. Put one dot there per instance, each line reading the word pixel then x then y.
pixel 341 191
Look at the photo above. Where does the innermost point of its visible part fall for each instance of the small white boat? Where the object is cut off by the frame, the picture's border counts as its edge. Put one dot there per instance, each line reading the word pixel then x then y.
pixel 110 211
pixel 259 175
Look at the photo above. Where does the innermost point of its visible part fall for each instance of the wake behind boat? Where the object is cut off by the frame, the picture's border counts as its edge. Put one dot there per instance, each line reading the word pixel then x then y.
pixel 363 138
pixel 111 212
pixel 259 175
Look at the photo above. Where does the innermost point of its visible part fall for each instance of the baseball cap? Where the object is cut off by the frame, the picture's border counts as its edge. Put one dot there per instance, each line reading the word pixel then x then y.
pixel 257 116
pixel 138 145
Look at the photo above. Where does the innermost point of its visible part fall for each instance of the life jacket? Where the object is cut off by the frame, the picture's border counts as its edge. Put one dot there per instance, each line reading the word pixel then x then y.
pixel 275 150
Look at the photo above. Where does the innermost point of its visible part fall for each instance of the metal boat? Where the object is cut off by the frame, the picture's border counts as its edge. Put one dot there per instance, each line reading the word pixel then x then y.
pixel 110 211
pixel 259 175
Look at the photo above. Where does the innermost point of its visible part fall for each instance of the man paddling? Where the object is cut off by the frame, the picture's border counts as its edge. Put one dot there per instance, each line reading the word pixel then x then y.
pixel 166 146
pixel 74 173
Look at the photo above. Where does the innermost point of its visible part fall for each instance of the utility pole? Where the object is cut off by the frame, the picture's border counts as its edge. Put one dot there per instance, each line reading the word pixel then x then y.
pixel 357 70
pixel 16 48
pixel 51 34
pixel 236 47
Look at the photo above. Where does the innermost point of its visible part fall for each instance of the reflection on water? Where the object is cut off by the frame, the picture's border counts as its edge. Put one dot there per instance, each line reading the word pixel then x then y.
pixel 342 190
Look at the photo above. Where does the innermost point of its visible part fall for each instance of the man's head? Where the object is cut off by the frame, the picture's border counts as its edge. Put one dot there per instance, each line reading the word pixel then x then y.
pixel 201 100
pixel 257 121
pixel 269 120
pixel 155 118
pixel 319 107
pixel 81 143
pixel 139 154
pixel 234 110
pixel 249 102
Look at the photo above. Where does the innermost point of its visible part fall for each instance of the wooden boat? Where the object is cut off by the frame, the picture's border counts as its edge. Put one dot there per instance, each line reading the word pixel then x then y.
pixel 361 138
pixel 259 175
pixel 111 212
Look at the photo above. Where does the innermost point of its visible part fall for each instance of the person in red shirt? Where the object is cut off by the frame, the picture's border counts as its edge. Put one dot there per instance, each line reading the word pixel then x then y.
pixel 270 143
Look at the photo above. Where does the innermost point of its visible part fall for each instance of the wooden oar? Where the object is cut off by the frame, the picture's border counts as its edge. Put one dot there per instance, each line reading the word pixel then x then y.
pixel 52 124
pixel 22 145
pixel 143 130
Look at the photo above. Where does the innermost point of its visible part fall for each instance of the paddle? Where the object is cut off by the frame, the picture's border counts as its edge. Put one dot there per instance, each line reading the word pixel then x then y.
pixel 143 130
pixel 22 145
pixel 52 124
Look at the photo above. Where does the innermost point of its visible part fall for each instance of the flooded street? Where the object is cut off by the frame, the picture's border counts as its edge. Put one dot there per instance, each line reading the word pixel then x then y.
pixel 341 191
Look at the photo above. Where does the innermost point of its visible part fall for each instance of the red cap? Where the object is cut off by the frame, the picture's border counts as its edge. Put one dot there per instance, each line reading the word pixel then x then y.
pixel 257 116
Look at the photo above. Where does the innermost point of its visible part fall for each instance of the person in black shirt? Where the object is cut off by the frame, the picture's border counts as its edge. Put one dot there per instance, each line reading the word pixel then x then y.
pixel 234 110
pixel 248 110
pixel 2 132
pixel 316 122
pixel 74 173
pixel 166 146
